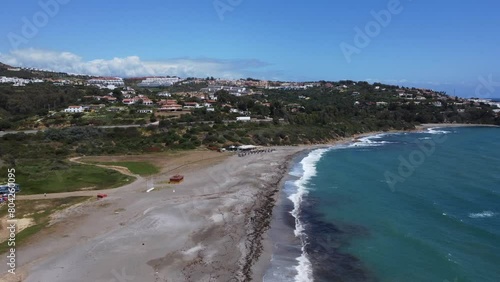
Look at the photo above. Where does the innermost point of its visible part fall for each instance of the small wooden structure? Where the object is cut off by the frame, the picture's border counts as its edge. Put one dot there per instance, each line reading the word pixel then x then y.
pixel 176 179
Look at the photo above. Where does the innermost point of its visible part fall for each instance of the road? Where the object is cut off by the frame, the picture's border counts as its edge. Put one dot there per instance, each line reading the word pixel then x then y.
pixel 34 131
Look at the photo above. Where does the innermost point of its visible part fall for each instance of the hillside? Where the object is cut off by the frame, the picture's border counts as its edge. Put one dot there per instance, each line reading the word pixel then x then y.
pixel 4 66
pixel 35 73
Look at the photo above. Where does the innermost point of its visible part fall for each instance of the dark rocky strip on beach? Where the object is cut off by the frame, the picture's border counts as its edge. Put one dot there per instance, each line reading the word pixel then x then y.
pixel 253 152
pixel 259 222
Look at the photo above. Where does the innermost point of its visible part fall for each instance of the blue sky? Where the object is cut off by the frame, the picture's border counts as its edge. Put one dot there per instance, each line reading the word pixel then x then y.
pixel 444 45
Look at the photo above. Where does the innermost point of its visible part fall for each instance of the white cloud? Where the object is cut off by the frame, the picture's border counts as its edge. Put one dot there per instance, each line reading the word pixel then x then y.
pixel 133 66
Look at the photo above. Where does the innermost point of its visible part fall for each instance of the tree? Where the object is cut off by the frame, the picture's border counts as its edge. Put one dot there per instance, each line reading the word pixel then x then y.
pixel 152 118
pixel 4 125
pixel 117 93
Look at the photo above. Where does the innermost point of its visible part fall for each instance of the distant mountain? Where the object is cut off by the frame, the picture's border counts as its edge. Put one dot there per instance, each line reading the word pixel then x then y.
pixel 6 70
pixel 4 66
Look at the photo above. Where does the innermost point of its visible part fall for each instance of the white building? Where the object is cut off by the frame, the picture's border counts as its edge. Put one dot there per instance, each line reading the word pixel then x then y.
pixel 158 81
pixel 164 94
pixel 233 90
pixel 147 102
pixel 191 105
pixel 107 81
pixel 74 109
pixel 19 81
pixel 406 95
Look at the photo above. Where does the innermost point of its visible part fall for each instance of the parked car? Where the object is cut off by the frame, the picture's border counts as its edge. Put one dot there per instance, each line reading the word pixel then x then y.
pixel 5 189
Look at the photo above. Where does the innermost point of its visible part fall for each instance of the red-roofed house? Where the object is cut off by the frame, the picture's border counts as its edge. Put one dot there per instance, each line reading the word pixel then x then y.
pixel 167 102
pixel 170 108
pixel 109 98
pixel 191 105
pixel 128 101
pixel 147 102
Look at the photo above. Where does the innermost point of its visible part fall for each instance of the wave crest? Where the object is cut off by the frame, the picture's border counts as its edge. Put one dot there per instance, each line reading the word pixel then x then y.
pixel 304 267
pixel 484 214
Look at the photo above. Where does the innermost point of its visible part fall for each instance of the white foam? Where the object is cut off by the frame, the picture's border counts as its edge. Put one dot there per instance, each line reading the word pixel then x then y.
pixel 309 171
pixel 484 214
pixel 369 142
pixel 304 267
pixel 437 131
pixel 378 136
pixel 296 171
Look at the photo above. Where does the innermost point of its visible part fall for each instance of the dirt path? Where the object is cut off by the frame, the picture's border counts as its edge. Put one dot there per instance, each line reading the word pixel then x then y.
pixel 64 195
pixel 208 228
pixel 120 169
pixel 89 193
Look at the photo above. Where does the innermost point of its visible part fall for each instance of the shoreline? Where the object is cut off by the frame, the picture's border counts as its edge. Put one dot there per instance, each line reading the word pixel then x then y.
pixel 265 259
pixel 217 222
pixel 208 227
pixel 446 125
pixel 263 262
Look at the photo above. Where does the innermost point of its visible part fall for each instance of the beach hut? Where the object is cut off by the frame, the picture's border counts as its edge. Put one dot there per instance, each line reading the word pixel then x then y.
pixel 247 148
pixel 176 179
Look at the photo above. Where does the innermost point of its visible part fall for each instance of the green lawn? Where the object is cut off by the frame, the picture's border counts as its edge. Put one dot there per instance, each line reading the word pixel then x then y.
pixel 140 168
pixel 52 177
pixel 40 211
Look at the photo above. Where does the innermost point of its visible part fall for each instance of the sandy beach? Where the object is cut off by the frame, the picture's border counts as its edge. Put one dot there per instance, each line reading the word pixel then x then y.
pixel 208 228
pixel 211 227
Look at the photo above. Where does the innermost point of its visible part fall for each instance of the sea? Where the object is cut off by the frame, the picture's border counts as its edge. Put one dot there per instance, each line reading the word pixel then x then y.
pixel 416 206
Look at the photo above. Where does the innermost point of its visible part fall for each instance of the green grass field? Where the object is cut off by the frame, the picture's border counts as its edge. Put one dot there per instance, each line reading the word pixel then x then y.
pixel 50 177
pixel 39 211
pixel 140 168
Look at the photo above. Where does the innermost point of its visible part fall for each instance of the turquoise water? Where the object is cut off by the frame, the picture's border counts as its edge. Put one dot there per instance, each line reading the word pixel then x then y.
pixel 437 220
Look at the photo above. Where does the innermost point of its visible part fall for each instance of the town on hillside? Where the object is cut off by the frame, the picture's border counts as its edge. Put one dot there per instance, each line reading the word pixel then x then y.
pixel 86 100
